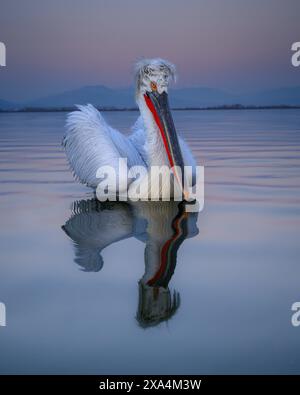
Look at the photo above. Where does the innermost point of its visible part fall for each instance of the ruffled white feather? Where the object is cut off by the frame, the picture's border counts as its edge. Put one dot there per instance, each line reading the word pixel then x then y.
pixel 91 143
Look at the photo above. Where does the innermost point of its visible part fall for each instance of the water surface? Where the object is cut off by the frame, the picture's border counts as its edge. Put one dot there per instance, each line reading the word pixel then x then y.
pixel 74 274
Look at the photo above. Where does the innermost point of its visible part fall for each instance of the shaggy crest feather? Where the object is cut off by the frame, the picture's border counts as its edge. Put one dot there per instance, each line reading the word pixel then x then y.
pixel 145 67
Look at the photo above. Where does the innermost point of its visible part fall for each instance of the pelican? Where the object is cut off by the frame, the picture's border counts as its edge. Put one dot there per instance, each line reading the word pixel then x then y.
pixel 91 143
pixel 161 226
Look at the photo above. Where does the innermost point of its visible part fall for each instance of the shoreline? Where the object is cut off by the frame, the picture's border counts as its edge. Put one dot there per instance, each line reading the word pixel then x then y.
pixel 111 109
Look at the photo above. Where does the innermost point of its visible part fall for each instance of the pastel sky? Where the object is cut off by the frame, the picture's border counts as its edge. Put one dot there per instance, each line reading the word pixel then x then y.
pixel 235 45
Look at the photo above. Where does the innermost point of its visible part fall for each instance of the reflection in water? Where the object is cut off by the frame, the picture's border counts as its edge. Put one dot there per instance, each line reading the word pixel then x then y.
pixel 162 226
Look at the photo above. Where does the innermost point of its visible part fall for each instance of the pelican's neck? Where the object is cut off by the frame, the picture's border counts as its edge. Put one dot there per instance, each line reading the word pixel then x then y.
pixel 154 145
pixel 159 217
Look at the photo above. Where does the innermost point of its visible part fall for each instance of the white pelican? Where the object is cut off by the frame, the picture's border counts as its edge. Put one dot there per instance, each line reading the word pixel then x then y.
pixel 162 226
pixel 91 143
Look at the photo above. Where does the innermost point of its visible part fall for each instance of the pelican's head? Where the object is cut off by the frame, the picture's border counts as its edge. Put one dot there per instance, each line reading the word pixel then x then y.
pixel 152 80
pixel 153 75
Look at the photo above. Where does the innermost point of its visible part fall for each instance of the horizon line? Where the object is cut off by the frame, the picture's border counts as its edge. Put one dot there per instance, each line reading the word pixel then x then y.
pixel 131 87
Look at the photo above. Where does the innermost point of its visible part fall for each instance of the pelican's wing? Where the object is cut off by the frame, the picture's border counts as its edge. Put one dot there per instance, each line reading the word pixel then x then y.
pixel 94 226
pixel 91 143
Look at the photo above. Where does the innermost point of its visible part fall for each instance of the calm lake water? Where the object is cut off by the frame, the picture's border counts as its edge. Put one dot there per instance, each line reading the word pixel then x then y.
pixel 116 289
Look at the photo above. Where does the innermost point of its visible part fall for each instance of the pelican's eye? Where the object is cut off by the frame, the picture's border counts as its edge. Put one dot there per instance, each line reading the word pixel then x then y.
pixel 153 86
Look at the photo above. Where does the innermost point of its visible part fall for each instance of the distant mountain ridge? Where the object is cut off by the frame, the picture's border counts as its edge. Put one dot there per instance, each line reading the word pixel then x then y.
pixel 279 96
pixel 6 105
pixel 105 97
pixel 99 95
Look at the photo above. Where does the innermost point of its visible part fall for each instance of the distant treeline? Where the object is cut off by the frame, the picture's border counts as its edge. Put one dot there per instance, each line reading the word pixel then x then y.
pixel 224 107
